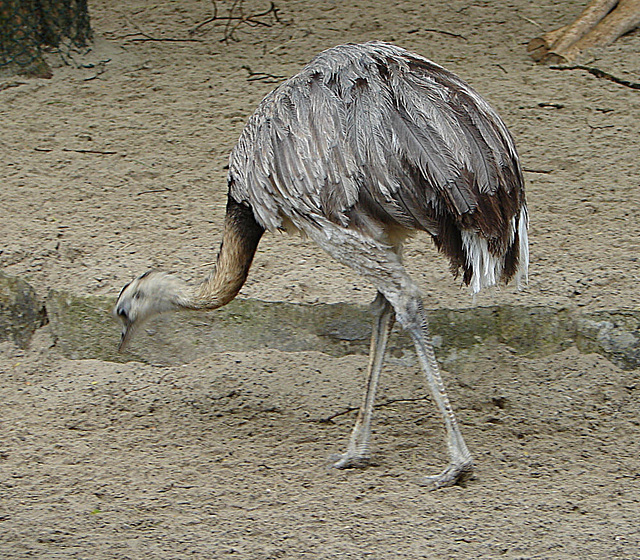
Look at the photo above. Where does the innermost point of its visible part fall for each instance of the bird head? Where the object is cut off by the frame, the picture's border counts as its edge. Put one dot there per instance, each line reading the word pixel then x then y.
pixel 150 294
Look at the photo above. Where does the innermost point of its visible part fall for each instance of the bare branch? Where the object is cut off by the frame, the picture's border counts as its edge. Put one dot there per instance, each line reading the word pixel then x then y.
pixel 236 18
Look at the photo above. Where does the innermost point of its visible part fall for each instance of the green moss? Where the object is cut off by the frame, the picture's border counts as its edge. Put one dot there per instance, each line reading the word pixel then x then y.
pixel 83 327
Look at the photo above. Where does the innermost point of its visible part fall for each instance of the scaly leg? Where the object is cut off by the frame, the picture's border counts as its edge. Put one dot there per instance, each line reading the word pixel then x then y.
pixel 383 267
pixel 461 462
pixel 357 453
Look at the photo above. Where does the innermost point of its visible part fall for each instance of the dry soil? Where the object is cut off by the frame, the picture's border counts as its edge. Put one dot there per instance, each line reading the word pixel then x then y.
pixel 117 164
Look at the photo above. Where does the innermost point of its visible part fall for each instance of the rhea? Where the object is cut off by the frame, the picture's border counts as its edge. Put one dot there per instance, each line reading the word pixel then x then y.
pixel 367 145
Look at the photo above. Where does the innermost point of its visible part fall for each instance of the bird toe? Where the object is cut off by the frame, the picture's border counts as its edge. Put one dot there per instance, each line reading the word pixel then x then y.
pixel 347 461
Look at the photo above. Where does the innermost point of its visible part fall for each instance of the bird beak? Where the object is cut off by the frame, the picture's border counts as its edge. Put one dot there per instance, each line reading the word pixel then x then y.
pixel 127 331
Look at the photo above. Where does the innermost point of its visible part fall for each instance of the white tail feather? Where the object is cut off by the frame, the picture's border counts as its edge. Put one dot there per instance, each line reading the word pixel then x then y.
pixel 487 268
pixel 522 276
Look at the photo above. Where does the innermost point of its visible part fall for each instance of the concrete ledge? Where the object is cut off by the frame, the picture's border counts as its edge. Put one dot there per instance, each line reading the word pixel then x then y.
pixel 84 328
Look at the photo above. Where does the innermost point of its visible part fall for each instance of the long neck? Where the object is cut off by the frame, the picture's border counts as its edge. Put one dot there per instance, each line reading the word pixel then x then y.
pixel 239 243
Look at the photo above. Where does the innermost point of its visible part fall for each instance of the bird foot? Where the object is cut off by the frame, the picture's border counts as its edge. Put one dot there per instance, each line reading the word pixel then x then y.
pixel 350 461
pixel 457 473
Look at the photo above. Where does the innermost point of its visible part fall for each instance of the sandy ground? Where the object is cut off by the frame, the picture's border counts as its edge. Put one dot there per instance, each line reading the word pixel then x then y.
pixel 119 166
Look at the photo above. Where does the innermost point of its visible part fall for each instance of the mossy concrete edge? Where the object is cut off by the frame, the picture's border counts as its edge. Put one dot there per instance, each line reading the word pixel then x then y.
pixel 84 328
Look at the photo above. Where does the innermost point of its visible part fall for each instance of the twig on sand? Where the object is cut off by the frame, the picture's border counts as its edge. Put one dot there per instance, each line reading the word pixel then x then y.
pixel 146 37
pixel 447 33
pixel 140 36
pixel 98 152
pixel 329 419
pixel 543 171
pixel 262 76
pixel 8 85
pixel 79 151
pixel 599 74
pixel 236 18
pixel 163 189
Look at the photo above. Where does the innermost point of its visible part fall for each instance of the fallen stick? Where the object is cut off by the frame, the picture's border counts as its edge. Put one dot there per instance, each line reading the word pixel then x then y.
pixel 599 74
pixel 599 25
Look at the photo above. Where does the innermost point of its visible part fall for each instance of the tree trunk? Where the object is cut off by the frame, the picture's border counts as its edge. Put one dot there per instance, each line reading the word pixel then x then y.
pixel 27 27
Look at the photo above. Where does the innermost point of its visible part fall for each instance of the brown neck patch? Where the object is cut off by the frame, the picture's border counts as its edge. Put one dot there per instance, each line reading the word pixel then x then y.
pixel 239 243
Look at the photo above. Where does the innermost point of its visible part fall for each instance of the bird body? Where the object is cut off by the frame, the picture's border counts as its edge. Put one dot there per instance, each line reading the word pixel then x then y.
pixel 366 145
pixel 382 141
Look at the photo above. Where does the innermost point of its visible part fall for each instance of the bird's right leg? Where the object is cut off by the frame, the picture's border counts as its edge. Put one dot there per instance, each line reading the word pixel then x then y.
pixel 357 454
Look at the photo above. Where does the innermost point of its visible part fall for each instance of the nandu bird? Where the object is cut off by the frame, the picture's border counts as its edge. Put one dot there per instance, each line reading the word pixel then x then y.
pixel 365 146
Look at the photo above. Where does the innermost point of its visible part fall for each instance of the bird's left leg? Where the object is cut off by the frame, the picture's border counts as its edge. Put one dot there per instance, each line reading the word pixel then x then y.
pixel 357 453
pixel 411 316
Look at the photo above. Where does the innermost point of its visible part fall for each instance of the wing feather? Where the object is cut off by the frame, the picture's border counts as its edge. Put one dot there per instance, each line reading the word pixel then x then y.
pixel 373 134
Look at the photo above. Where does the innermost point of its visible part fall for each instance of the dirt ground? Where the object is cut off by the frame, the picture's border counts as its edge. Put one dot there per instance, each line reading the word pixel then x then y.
pixel 119 165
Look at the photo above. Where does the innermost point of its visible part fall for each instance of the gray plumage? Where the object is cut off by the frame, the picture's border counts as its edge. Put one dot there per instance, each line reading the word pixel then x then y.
pixel 379 140
pixel 366 145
